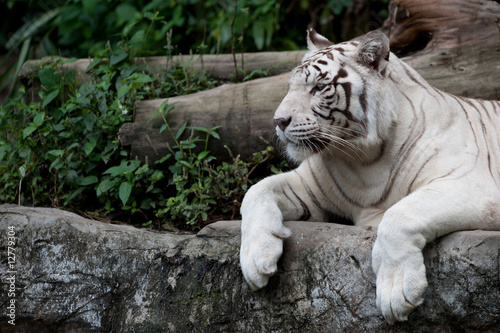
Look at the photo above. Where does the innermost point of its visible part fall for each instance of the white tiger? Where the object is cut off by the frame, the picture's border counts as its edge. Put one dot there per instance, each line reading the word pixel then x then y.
pixel 380 146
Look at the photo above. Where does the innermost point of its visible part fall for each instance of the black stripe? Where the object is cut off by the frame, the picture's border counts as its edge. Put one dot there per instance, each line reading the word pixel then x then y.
pixel 362 98
pixel 311 194
pixel 403 152
pixel 420 170
pixel 339 188
pixel 458 100
pixel 306 213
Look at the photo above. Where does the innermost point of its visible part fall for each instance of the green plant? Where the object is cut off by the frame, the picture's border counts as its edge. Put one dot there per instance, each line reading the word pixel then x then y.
pixel 61 149
pixel 60 142
pixel 201 188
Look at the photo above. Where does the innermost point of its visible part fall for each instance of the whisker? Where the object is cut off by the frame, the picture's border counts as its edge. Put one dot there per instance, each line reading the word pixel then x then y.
pixel 336 140
pixel 321 137
pixel 281 145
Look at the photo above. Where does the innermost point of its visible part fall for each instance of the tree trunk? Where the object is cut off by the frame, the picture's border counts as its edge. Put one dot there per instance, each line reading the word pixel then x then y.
pixel 429 25
pixel 453 44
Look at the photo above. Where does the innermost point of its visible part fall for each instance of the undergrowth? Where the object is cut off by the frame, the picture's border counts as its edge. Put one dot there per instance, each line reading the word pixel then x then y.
pixel 61 149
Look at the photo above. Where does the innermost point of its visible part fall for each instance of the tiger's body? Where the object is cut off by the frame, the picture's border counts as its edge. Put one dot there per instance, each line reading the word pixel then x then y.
pixel 380 146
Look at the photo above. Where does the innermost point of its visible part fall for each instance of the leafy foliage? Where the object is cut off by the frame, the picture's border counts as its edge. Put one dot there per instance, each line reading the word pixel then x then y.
pixel 62 149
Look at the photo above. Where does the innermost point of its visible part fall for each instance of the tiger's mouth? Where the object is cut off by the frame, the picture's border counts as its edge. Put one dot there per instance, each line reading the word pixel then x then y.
pixel 312 145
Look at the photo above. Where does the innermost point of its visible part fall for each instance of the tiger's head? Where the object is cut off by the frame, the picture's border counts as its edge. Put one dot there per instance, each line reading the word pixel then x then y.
pixel 334 98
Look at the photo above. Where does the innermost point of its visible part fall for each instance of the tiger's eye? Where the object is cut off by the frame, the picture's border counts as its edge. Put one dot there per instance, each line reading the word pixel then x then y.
pixel 320 87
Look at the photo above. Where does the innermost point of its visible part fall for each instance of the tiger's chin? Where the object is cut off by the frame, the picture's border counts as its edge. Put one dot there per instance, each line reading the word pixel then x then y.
pixel 299 152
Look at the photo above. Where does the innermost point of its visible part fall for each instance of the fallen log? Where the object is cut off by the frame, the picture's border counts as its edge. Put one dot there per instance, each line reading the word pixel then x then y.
pixel 219 66
pixel 431 32
pixel 243 110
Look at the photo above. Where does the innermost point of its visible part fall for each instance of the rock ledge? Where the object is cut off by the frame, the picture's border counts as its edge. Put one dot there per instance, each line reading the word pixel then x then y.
pixel 77 275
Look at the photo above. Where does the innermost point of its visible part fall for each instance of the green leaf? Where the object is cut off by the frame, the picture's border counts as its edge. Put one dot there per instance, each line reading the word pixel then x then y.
pixel 143 78
pixel 125 12
pixel 88 180
pixel 138 38
pixel 117 57
pixel 105 186
pixel 50 97
pixel 96 61
pixel 38 120
pixel 132 165
pixel 210 158
pixel 31 28
pixel 89 120
pixel 163 127
pixel 149 15
pixel 49 78
pixel 157 176
pixel 56 152
pixel 115 171
pixel 22 171
pixel 102 105
pixel 199 128
pixel 57 164
pixel 74 195
pixel 124 192
pixel 28 130
pixel 72 177
pixel 163 159
pixel 123 90
pixel 215 135
pixel 180 131
pixel 186 164
pixel 89 6
pixel 203 154
pixel 258 31
pixel 163 105
pixel 124 167
pixel 89 146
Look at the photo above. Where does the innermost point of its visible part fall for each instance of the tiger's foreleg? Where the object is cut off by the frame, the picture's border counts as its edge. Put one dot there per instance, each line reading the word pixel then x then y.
pixel 265 206
pixel 435 210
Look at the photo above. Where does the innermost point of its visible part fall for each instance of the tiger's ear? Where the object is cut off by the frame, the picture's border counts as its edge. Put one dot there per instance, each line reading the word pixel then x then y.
pixel 315 41
pixel 373 50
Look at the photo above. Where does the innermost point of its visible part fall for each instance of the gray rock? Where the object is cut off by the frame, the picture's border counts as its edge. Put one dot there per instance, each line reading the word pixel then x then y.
pixel 77 275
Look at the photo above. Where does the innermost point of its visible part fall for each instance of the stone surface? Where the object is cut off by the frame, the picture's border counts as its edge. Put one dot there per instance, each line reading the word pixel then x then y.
pixel 77 275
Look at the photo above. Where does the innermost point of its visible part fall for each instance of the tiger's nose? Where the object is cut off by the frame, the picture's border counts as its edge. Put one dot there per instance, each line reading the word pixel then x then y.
pixel 282 123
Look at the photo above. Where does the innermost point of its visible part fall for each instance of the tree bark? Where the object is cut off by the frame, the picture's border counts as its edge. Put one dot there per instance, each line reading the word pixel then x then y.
pixel 444 24
pixel 453 44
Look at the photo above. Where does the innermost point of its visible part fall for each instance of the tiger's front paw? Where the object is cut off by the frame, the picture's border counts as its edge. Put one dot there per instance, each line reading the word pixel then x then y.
pixel 259 255
pixel 401 281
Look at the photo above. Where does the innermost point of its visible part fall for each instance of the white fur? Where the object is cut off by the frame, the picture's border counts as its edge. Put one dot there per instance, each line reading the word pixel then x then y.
pixel 439 171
